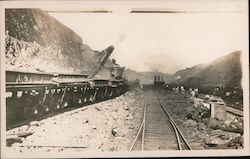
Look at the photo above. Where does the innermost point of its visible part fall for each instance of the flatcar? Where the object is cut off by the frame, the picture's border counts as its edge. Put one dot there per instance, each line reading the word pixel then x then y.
pixel 31 94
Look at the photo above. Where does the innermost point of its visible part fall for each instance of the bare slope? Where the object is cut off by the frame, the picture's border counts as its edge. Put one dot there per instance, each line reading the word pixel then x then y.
pixel 35 41
pixel 225 70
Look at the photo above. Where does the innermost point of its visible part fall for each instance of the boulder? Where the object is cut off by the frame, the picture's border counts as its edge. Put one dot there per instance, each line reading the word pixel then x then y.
pixel 119 132
pixel 35 123
pixel 97 108
pixel 197 113
pixel 94 127
pixel 85 120
pixel 129 117
pixel 114 116
pixel 215 141
pixel 222 139
pixel 216 132
pixel 205 120
pixel 202 126
pixel 214 123
pixel 190 122
pixel 197 102
pixel 189 112
pixel 226 126
pixel 108 146
pixel 114 132
pixel 125 107
pixel 241 140
pixel 84 108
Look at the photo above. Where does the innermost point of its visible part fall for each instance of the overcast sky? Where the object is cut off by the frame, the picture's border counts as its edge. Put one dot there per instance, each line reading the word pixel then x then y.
pixel 167 41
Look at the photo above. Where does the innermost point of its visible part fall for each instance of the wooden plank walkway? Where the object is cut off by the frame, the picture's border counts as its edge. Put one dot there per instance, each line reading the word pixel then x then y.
pixel 232 110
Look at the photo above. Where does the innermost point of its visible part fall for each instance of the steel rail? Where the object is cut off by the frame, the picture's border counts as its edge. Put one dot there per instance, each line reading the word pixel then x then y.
pixel 172 123
pixel 177 130
pixel 141 127
pixel 137 135
pixel 182 136
pixel 177 135
pixel 144 125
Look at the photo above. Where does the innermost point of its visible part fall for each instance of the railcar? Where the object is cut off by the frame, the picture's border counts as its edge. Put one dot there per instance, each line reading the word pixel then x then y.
pixel 32 94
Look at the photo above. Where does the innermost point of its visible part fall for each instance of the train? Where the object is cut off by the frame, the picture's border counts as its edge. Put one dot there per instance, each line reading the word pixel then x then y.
pixel 34 94
pixel 158 80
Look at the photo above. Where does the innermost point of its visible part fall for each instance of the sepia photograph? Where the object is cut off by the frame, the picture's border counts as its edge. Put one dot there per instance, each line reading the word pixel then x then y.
pixel 107 78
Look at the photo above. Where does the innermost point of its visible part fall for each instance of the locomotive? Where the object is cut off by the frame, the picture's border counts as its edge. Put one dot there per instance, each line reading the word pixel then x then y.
pixel 34 94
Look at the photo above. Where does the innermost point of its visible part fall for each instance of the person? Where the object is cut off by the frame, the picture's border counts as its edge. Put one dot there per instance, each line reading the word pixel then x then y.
pixel 166 88
pixel 196 90
pixel 192 93
pixel 141 86
pixel 182 89
pixel 228 94
pixel 177 89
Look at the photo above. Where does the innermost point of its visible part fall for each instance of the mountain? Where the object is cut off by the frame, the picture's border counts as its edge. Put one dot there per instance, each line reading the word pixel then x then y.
pixel 144 77
pixel 225 70
pixel 35 41
pixel 132 75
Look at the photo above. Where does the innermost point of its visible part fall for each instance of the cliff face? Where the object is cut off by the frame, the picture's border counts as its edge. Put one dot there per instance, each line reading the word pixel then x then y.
pixel 35 41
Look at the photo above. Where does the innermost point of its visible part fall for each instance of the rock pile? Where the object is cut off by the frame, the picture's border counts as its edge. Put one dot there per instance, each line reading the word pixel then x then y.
pixel 232 126
pixel 203 132
pixel 198 113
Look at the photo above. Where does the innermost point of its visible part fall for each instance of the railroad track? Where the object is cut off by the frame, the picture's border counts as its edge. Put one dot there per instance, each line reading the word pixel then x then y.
pixel 158 130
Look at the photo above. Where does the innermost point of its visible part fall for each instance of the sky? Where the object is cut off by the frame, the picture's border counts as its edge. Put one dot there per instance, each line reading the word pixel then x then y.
pixel 164 41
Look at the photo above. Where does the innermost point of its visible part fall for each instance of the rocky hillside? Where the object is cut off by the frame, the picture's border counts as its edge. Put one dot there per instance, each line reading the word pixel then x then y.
pixel 225 70
pixel 35 41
